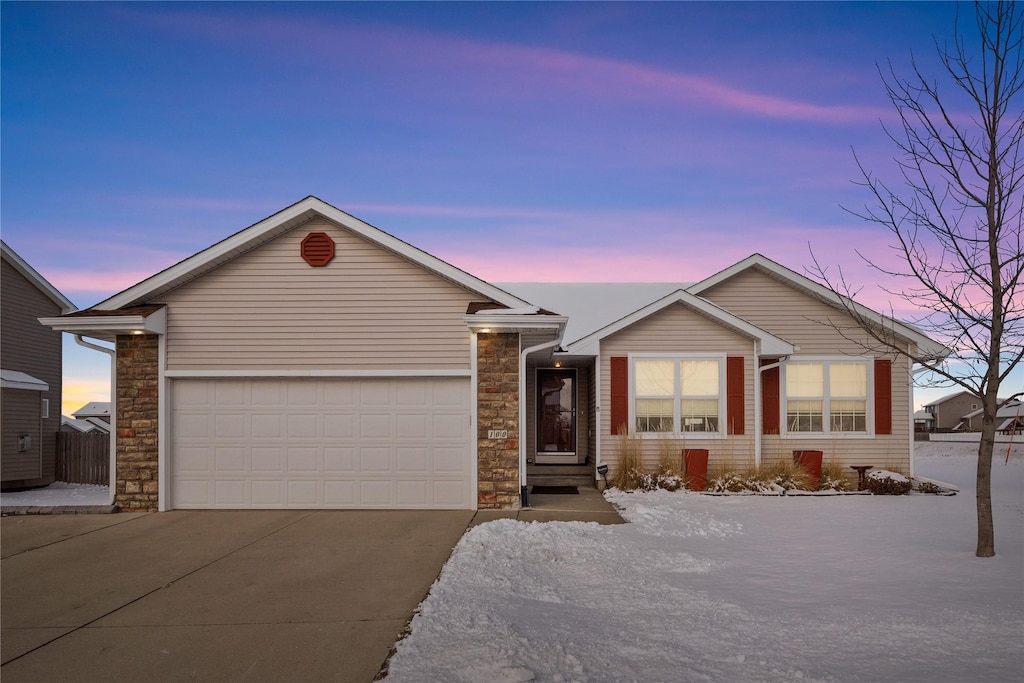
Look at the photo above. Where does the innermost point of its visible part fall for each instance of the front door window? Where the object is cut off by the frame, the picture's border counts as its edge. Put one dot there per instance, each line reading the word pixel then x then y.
pixel 556 407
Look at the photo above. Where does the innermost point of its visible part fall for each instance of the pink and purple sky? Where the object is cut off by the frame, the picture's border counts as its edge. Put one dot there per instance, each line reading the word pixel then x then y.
pixel 520 141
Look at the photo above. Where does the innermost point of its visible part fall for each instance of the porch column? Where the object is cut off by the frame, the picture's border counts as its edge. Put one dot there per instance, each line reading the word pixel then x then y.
pixel 498 411
pixel 137 406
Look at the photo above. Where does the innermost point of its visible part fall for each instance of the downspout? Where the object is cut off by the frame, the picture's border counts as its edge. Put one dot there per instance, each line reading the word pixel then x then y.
pixel 524 498
pixel 113 410
pixel 758 402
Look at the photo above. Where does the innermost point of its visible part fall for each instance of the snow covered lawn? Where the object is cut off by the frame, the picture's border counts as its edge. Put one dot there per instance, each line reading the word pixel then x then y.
pixel 58 493
pixel 702 588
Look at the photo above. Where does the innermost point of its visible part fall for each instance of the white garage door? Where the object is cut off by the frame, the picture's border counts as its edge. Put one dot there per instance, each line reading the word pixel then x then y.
pixel 321 443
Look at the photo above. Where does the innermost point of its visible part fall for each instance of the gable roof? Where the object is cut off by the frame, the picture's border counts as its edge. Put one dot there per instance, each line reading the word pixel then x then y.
pixel 770 344
pixel 279 223
pixel 93 409
pixel 590 306
pixel 926 346
pixel 947 397
pixel 33 276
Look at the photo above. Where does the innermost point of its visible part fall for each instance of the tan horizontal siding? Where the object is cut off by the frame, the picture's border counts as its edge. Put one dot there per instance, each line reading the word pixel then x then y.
pixel 808 322
pixel 677 330
pixel 366 309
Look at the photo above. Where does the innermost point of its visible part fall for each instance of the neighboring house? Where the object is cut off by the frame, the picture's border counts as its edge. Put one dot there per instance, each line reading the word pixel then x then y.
pixel 314 361
pixel 1009 418
pixel 97 409
pixel 30 355
pixel 949 410
pixel 924 421
pixel 91 425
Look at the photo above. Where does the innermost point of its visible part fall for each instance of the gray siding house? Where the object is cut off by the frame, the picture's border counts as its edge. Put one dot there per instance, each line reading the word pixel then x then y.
pixel 949 411
pixel 30 356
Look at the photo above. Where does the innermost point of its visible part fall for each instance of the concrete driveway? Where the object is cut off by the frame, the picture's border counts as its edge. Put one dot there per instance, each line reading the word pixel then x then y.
pixel 214 596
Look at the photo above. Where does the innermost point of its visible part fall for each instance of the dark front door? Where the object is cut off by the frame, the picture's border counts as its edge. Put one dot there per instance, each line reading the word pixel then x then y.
pixel 556 408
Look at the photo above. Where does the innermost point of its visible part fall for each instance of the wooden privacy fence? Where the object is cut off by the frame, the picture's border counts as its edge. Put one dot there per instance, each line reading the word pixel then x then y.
pixel 83 458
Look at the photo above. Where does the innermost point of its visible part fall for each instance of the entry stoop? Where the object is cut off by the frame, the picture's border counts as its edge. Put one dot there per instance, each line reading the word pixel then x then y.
pixel 561 475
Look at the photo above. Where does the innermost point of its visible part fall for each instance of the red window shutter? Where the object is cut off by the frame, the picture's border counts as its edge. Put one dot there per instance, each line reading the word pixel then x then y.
pixel 883 396
pixel 734 409
pixel 770 400
pixel 620 395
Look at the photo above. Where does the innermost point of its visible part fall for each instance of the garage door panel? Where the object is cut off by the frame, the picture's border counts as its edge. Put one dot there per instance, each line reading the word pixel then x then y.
pixel 411 427
pixel 268 459
pixel 231 393
pixel 375 426
pixel 230 425
pixel 340 459
pixel 339 426
pixel 375 394
pixel 312 443
pixel 304 426
pixel 266 426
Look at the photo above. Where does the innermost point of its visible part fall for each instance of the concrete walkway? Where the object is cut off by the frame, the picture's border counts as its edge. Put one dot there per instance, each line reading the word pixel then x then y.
pixel 227 595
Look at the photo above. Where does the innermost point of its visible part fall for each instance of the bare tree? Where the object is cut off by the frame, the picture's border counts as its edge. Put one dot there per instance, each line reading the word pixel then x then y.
pixel 956 218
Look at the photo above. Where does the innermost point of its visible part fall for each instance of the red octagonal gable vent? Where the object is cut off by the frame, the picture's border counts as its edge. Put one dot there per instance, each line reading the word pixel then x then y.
pixel 317 249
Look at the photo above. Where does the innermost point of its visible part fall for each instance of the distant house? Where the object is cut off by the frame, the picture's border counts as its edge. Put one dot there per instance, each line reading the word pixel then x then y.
pixel 91 425
pixel 314 361
pixel 949 410
pixel 1009 419
pixel 924 421
pixel 30 356
pixel 97 409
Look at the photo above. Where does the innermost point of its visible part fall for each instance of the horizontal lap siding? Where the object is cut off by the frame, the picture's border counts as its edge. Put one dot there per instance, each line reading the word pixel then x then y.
pixel 676 330
pixel 36 350
pixel 20 410
pixel 366 309
pixel 802 320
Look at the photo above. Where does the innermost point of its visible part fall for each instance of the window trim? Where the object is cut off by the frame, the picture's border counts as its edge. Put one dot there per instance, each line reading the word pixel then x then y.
pixel 826 419
pixel 721 433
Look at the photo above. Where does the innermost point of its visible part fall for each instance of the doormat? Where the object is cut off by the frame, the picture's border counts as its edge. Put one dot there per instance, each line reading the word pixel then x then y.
pixel 555 490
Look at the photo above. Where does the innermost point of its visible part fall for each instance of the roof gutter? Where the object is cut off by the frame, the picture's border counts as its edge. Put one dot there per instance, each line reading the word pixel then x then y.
pixel 113 410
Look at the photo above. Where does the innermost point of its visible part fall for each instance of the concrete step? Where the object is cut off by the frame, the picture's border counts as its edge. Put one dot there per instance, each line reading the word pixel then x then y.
pixel 561 475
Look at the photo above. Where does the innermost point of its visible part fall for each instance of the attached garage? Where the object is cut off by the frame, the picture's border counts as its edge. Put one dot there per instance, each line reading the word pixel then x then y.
pixel 321 443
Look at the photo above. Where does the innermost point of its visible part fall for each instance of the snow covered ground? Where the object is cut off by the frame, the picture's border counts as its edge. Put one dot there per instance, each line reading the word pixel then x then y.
pixel 59 493
pixel 701 588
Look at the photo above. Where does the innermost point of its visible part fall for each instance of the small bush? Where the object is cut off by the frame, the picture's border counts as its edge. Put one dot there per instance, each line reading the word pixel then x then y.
pixel 928 487
pixel 888 483
pixel 833 477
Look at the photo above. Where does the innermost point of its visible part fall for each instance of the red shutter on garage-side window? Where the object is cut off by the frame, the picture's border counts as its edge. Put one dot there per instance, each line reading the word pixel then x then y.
pixel 883 396
pixel 734 412
pixel 770 400
pixel 620 395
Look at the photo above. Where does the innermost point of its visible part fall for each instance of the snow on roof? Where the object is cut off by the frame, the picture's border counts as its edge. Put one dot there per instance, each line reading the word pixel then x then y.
pixel 590 305
pixel 12 379
pixel 92 424
pixel 94 409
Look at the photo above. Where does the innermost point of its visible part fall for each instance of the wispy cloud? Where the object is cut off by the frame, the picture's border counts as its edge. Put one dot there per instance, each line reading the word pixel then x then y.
pixel 492 67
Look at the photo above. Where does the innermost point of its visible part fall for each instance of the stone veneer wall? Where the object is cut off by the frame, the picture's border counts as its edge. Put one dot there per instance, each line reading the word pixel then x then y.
pixel 138 375
pixel 498 408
